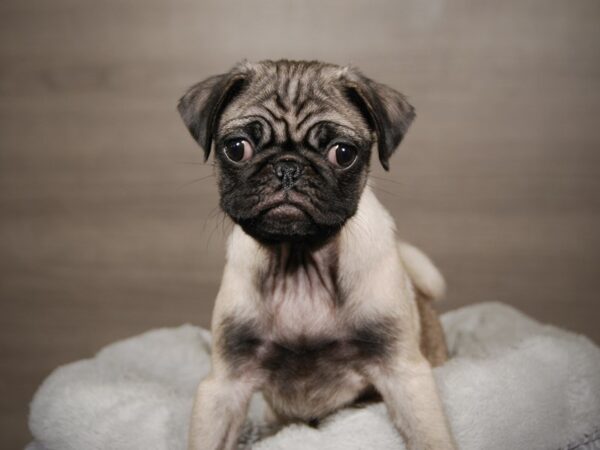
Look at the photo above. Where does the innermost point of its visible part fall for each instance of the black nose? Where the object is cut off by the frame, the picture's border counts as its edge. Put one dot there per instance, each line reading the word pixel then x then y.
pixel 288 171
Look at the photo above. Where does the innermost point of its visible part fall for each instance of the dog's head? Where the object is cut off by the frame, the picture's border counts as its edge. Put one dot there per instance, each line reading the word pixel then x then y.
pixel 293 142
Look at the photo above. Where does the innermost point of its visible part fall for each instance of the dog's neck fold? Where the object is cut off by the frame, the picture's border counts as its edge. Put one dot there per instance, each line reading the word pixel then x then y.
pixel 364 238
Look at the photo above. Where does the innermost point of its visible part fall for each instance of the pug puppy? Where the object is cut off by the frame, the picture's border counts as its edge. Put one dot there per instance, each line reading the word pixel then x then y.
pixel 319 304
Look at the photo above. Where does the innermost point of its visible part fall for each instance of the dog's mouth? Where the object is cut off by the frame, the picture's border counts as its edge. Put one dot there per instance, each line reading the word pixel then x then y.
pixel 286 216
pixel 286 206
pixel 285 212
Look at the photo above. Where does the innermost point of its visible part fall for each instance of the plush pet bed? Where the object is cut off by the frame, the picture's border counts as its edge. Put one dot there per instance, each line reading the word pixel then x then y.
pixel 512 383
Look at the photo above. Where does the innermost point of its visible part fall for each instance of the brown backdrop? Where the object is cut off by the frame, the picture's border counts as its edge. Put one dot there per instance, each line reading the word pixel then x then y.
pixel 109 223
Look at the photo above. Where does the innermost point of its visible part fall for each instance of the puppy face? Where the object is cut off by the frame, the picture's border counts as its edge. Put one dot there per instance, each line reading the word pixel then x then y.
pixel 293 142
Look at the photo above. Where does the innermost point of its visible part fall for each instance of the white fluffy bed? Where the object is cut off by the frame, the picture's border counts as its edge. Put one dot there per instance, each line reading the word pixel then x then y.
pixel 512 383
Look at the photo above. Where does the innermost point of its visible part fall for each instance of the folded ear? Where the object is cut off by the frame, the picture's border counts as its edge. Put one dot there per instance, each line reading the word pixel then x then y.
pixel 386 110
pixel 202 105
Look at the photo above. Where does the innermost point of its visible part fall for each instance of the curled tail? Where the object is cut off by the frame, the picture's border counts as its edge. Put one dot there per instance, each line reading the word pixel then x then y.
pixel 426 278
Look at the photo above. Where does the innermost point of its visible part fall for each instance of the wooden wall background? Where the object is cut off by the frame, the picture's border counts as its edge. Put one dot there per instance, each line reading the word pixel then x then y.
pixel 110 227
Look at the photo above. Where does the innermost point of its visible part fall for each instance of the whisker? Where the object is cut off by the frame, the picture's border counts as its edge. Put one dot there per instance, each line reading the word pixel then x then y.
pixel 223 219
pixel 197 180
pixel 378 189
pixel 198 163
pixel 215 227
pixel 211 214
pixel 399 183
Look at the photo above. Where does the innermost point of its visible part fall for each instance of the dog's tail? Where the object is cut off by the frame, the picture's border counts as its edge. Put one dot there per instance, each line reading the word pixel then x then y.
pixel 425 276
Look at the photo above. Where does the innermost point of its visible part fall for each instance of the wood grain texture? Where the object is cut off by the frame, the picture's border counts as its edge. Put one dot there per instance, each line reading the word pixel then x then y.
pixel 109 224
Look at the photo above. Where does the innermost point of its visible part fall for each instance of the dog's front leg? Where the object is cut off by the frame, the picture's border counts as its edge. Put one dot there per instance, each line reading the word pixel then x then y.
pixel 219 412
pixel 410 394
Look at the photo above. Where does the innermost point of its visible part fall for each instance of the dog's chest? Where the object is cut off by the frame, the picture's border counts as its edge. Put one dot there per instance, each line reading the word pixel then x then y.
pixel 305 347
pixel 302 340
pixel 300 296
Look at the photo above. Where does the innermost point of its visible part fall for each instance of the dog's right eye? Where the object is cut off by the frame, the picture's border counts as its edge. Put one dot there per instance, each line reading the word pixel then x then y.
pixel 342 155
pixel 238 150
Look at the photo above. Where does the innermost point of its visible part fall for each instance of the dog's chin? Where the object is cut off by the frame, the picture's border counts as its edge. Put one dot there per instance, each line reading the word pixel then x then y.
pixel 287 223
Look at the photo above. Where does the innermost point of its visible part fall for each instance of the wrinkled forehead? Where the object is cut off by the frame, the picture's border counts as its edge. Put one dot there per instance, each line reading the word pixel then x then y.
pixel 291 106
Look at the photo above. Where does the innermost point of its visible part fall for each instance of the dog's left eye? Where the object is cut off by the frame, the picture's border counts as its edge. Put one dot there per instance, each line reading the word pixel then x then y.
pixel 342 155
pixel 238 150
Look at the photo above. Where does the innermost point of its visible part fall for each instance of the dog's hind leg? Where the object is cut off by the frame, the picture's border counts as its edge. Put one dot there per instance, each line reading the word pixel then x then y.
pixel 433 341
pixel 429 286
